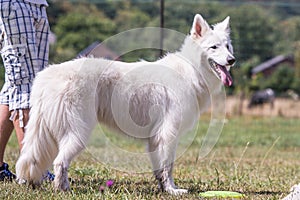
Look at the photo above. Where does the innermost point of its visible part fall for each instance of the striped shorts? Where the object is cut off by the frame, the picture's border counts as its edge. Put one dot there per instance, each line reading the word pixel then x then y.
pixel 24 48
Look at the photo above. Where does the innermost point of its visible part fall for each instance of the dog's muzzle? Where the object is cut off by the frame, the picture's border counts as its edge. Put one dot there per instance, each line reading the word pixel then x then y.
pixel 221 71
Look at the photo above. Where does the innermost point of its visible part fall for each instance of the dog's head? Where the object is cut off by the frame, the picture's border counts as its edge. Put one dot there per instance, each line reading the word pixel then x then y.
pixel 216 43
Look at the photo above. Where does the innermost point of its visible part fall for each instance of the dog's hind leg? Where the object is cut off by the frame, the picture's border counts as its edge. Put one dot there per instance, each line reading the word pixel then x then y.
pixel 162 150
pixel 69 147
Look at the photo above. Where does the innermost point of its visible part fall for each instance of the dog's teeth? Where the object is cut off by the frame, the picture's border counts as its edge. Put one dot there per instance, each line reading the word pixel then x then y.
pixel 215 67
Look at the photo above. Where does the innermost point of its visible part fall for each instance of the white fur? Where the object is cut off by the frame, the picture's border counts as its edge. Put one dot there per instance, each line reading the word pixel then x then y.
pixel 68 100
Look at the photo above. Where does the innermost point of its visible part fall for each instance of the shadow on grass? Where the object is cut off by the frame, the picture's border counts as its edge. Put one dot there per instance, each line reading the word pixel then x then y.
pixel 84 185
pixel 272 193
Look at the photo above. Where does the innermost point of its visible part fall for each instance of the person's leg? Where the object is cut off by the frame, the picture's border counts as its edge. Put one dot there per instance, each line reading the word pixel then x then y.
pixel 6 128
pixel 18 128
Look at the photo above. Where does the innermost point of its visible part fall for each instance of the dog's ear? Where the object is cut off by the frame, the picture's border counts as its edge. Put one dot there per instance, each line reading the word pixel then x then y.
pixel 200 26
pixel 223 26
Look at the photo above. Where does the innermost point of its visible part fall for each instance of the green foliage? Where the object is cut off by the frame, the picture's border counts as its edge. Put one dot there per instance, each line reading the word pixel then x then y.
pixel 281 80
pixel 288 8
pixel 180 17
pixel 253 32
pixel 151 8
pixel 289 35
pixel 109 8
pixel 243 81
pixel 128 19
pixel 57 9
pixel 2 74
pixel 296 85
pixel 79 28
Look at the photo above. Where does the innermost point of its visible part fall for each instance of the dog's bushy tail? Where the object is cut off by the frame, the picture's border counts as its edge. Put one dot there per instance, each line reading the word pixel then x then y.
pixel 39 145
pixel 38 152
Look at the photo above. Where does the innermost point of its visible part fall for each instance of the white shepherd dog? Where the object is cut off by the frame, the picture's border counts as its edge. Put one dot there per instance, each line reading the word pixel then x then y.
pixel 69 99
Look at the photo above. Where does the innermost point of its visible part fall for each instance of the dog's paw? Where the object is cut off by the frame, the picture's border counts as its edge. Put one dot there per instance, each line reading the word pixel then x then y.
pixel 61 185
pixel 21 181
pixel 175 191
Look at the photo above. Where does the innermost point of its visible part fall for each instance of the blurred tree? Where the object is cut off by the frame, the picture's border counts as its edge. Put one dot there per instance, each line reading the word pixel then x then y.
pixel 281 80
pixel 131 18
pixel 181 16
pixel 287 8
pixel 151 8
pixel 57 9
pixel 2 74
pixel 109 8
pixel 296 83
pixel 81 27
pixel 288 44
pixel 289 30
pixel 253 31
pixel 297 60
pixel 243 82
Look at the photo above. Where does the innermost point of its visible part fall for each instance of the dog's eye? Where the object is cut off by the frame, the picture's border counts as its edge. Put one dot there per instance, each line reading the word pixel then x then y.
pixel 214 47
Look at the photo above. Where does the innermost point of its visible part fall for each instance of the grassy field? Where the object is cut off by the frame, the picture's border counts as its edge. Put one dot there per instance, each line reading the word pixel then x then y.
pixel 258 157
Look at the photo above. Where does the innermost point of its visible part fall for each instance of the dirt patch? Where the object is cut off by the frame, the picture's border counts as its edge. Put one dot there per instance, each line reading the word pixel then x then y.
pixel 282 107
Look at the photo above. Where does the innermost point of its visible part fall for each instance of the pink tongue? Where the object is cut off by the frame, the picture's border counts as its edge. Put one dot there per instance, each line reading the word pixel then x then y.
pixel 225 76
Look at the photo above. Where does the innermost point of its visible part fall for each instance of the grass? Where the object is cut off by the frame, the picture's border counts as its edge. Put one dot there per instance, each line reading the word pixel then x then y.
pixel 258 157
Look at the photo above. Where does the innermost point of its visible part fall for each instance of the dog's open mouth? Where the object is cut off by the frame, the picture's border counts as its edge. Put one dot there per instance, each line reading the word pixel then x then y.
pixel 221 72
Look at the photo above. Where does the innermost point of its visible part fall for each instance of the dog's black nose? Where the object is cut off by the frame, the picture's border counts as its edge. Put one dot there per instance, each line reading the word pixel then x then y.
pixel 231 61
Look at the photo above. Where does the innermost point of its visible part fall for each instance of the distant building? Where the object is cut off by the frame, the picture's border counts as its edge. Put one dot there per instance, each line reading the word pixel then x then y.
pixel 268 67
pixel 98 50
